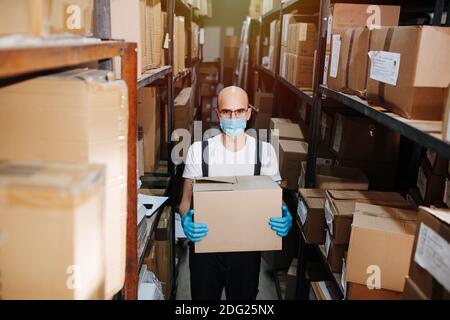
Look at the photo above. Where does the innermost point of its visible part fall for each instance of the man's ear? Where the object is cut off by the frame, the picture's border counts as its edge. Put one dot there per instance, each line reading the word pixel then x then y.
pixel 249 114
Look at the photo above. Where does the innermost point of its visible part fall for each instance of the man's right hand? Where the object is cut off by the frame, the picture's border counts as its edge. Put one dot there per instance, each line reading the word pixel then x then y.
pixel 195 232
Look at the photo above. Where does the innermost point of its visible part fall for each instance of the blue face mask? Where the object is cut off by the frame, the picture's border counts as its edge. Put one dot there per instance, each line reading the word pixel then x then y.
pixel 233 127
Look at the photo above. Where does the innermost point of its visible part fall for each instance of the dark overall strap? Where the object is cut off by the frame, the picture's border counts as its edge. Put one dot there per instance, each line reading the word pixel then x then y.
pixel 258 158
pixel 205 159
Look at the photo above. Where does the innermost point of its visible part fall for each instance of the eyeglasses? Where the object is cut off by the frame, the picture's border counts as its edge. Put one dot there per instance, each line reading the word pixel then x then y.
pixel 229 113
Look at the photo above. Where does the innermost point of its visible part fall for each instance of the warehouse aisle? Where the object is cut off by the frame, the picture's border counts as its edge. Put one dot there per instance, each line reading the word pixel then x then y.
pixel 267 289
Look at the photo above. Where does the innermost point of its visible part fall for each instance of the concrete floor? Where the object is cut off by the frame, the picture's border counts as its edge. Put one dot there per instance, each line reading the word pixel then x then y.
pixel 267 289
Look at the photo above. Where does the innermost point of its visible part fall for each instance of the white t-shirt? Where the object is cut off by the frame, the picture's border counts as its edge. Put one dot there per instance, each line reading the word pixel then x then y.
pixel 226 163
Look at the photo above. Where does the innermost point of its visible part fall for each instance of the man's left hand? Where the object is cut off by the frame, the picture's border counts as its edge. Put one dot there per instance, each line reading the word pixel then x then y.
pixel 282 225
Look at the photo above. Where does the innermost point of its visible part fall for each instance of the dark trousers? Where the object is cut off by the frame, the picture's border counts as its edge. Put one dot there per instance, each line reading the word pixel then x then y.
pixel 237 272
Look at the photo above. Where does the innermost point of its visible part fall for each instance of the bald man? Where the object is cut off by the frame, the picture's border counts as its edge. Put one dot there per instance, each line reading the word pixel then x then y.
pixel 232 153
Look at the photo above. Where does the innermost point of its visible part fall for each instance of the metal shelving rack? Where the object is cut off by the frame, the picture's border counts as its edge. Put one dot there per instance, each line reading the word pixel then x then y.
pixel 423 134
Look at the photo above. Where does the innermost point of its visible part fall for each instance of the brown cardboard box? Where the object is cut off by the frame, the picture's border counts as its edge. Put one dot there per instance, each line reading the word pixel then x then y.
pixel 149 118
pixel 340 178
pixel 417 53
pixel 438 164
pixel 302 39
pixel 351 75
pixel 163 251
pixel 264 102
pixel 359 138
pixel 44 17
pixel 290 19
pixel 382 176
pixel 274 122
pixel 291 281
pixel 302 179
pixel 335 253
pixel 429 268
pixel 311 213
pixel 290 131
pixel 325 290
pixel 303 69
pixel 255 9
pixel 325 156
pixel 52 215
pixel 340 206
pixel 183 109
pixel 349 15
pixel 326 128
pixel 357 291
pixel 431 186
pixel 247 221
pixel 382 240
pixel 412 291
pixel 292 153
pixel 82 119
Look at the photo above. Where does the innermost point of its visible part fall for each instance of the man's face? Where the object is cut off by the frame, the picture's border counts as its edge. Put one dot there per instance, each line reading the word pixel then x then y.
pixel 233 104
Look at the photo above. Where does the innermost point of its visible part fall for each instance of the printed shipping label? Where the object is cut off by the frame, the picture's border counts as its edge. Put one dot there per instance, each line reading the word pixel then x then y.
pixel 385 66
pixel 335 52
pixel 303 36
pixel 302 211
pixel 323 161
pixel 329 216
pixel 327 243
pixel 338 134
pixel 325 68
pixel 422 183
pixel 433 254
pixel 330 24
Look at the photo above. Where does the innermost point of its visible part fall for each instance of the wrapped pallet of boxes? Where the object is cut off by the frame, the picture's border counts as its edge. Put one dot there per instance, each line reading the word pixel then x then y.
pixel 83 118
pixel 246 221
pixel 343 16
pixel 52 221
pixel 312 216
pixel 429 272
pixel 381 246
pixel 340 205
pixel 42 18
pixel 401 62
pixel 149 118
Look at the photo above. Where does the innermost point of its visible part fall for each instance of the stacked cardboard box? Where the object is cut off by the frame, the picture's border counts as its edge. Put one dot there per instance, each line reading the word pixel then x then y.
pixel 52 215
pixel 255 9
pixel 288 131
pixel 183 109
pixel 270 5
pixel 179 37
pixel 298 51
pixel 292 153
pixel 429 270
pixel 139 21
pixel 149 118
pixel 83 118
pixel 402 58
pixel 263 103
pixel 312 215
pixel 343 16
pixel 231 52
pixel 274 44
pixel 362 143
pixel 163 252
pixel 195 46
pixel 431 179
pixel 47 17
pixel 381 246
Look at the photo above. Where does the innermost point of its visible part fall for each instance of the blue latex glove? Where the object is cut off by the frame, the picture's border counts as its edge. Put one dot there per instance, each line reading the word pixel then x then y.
pixel 195 232
pixel 282 225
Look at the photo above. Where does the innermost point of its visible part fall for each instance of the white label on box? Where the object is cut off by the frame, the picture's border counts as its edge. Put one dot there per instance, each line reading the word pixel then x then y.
pixel 447 192
pixel 344 277
pixel 422 183
pixel 385 66
pixel 283 65
pixel 325 68
pixel 202 36
pixel 335 53
pixel 302 211
pixel 329 216
pixel 166 41
pixel 327 243
pixel 431 155
pixel 323 127
pixel 303 36
pixel 338 134
pixel 330 24
pixel 433 254
pixel 285 27
pixel 323 161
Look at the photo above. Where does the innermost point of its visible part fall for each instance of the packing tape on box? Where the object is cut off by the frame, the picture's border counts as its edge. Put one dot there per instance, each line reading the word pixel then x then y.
pixel 329 216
